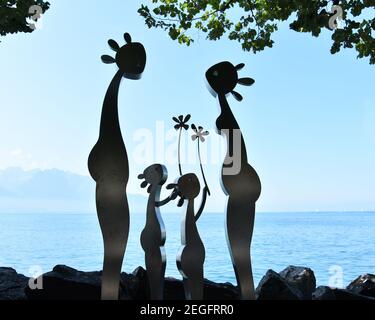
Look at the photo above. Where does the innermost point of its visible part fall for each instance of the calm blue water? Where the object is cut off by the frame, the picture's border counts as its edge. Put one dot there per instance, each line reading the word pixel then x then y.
pixel 316 240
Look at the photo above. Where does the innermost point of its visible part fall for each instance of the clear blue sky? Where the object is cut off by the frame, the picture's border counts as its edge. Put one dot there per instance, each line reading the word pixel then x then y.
pixel 309 120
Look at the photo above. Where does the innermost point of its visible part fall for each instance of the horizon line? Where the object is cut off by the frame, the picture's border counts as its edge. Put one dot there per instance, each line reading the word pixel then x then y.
pixel 208 212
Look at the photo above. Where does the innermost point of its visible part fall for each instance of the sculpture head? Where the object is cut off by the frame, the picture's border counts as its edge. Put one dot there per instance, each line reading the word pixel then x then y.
pixel 222 79
pixel 155 174
pixel 130 58
pixel 187 187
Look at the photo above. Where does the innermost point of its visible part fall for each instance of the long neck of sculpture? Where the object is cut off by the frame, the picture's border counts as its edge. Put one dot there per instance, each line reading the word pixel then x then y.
pixel 226 113
pixel 189 227
pixel 109 125
pixel 231 128
pixel 152 199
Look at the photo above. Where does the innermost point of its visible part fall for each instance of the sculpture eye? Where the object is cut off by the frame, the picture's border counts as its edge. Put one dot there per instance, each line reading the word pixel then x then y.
pixel 215 73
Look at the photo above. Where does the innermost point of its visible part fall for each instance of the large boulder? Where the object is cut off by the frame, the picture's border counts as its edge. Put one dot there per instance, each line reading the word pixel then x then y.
pixel 220 291
pixel 12 285
pixel 137 284
pixel 274 287
pixel 138 288
pixel 323 293
pixel 65 283
pixel 327 293
pixel 300 278
pixel 364 285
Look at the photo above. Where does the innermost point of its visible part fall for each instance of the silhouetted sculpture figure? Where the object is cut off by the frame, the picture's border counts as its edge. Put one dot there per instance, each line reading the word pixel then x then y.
pixel 191 256
pixel 153 235
pixel 240 181
pixel 108 166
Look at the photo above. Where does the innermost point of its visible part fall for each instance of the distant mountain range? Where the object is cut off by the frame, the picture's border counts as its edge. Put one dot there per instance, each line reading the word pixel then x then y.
pixel 51 191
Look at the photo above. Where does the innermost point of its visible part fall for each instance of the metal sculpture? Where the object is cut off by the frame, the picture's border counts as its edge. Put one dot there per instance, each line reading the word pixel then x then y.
pixel 108 166
pixel 153 235
pixel 240 182
pixel 180 126
pixel 191 256
pixel 188 188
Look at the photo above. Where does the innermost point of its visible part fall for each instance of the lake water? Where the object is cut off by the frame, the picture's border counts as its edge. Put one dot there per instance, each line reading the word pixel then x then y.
pixel 326 242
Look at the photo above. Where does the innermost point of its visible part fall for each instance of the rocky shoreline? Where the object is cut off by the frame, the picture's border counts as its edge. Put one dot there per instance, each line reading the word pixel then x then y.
pixel 65 283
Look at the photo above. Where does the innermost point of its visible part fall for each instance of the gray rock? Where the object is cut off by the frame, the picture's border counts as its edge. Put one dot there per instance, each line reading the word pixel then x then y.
pixel 174 288
pixel 12 285
pixel 137 284
pixel 65 283
pixel 300 278
pixel 323 293
pixel 364 285
pixel 327 293
pixel 220 291
pixel 274 287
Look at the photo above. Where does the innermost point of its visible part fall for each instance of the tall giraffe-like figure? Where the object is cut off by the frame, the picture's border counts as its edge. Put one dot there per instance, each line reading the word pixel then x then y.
pixel 240 182
pixel 108 166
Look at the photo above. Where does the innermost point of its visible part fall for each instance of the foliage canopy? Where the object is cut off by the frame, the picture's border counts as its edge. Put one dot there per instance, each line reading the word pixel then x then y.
pixel 252 22
pixel 14 14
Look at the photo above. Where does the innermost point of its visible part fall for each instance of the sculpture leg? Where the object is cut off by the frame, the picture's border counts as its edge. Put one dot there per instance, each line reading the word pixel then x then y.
pixel 239 227
pixel 196 286
pixel 113 258
pixel 193 284
pixel 155 266
pixel 113 213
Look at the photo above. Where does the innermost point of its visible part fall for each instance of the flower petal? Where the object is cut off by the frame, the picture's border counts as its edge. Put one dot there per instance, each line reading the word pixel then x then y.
pixel 202 139
pixel 186 127
pixel 194 137
pixel 175 120
pixel 205 133
pixel 177 126
pixel 194 127
pixel 144 184
pixel 181 118
pixel 187 118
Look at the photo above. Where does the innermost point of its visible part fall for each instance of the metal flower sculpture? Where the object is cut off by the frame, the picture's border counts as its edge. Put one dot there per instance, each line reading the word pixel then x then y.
pixel 199 135
pixel 181 125
pixel 191 256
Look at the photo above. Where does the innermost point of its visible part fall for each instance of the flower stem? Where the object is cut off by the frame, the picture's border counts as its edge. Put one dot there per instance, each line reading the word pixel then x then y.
pixel 200 162
pixel 179 152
